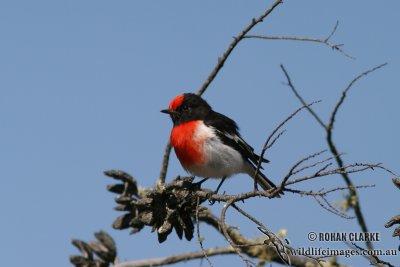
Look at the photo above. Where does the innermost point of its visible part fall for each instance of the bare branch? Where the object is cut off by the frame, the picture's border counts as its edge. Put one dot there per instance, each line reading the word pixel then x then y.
pixel 341 100
pixel 305 39
pixel 255 249
pixel 314 165
pixel 267 143
pixel 164 165
pixel 177 258
pixel 233 44
pixel 373 258
pixel 292 170
pixel 351 168
pixel 333 31
pixel 290 84
pixel 224 230
pixel 247 215
pixel 276 138
pixel 328 206
pixel 323 193
pixel 282 251
pixel 339 161
pixel 325 41
pixel 332 147
pixel 198 233
pixel 272 240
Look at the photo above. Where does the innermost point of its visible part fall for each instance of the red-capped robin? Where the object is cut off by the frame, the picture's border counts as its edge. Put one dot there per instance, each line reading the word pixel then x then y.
pixel 208 144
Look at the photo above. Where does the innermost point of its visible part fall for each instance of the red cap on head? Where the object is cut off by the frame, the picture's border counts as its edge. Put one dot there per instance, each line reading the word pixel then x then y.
pixel 176 102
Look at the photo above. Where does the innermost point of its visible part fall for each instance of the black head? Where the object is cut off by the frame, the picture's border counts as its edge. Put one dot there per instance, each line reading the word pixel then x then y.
pixel 187 107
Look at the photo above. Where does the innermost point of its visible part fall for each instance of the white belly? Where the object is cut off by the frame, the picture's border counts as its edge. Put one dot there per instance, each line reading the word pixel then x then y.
pixel 220 160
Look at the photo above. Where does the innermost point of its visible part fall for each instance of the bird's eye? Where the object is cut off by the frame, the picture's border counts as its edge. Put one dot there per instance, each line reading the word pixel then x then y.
pixel 185 107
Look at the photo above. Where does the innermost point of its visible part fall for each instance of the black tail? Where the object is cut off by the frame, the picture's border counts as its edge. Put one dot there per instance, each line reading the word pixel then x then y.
pixel 262 180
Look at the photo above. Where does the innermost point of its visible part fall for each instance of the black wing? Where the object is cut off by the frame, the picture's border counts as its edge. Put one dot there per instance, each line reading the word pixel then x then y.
pixel 228 131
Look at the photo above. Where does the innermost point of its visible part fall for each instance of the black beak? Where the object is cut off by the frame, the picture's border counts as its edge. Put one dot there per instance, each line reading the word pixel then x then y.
pixel 167 111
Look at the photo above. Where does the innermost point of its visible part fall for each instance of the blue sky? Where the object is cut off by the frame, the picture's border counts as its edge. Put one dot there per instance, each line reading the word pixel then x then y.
pixel 82 84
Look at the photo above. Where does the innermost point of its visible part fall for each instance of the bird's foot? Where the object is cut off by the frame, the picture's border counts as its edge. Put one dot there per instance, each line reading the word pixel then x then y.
pixel 255 188
pixel 199 183
pixel 275 192
pixel 208 196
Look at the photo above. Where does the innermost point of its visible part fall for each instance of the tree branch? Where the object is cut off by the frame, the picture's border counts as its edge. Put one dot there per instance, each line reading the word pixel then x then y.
pixel 290 84
pixel 200 239
pixel 374 260
pixel 164 165
pixel 253 249
pixel 332 147
pixel 268 142
pixel 339 161
pixel 305 39
pixel 233 44
pixel 344 93
pixel 177 258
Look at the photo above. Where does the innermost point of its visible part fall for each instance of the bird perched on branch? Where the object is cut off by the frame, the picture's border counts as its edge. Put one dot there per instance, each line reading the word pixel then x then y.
pixel 208 144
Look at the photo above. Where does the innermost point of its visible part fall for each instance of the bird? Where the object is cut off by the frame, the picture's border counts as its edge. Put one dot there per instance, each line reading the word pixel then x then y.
pixel 208 144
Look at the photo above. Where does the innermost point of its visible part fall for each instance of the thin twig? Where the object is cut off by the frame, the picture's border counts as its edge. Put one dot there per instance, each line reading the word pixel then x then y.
pixel 324 193
pixel 341 100
pixel 233 44
pixel 290 84
pixel 330 208
pixel 247 215
pixel 267 143
pixel 292 170
pixel 333 31
pixel 352 168
pixel 326 166
pixel 282 250
pixel 276 138
pixel 339 161
pixel 198 233
pixel 314 165
pixel 307 39
pixel 224 230
pixel 374 257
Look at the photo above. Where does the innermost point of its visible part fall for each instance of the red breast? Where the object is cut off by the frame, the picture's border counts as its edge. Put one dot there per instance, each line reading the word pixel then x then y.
pixel 187 147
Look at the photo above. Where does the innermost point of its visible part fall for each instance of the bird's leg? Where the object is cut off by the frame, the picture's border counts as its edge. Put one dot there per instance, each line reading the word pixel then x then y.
pixel 220 184
pixel 199 183
pixel 255 188
pixel 216 191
